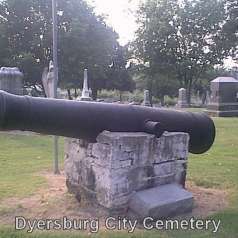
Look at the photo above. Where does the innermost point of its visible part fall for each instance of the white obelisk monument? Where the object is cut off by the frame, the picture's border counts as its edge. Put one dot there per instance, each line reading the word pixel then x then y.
pixel 86 92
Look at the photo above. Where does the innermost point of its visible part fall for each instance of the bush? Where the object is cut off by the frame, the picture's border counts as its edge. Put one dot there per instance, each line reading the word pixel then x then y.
pixel 170 102
pixel 114 95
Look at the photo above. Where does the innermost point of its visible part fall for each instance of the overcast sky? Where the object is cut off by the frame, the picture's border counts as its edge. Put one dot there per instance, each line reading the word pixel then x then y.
pixel 119 16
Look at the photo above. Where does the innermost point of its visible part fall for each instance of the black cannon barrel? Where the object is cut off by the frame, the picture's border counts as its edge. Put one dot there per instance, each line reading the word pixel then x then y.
pixel 85 120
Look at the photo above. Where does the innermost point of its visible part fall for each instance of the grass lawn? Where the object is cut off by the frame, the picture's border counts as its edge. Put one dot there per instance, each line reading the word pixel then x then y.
pixel 22 156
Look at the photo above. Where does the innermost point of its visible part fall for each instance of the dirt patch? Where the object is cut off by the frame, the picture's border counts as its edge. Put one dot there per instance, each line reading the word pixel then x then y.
pixel 50 202
pixel 55 202
pixel 207 201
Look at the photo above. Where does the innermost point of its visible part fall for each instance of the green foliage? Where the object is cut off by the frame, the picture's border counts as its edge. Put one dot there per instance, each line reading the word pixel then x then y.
pixel 85 41
pixel 119 71
pixel 159 83
pixel 182 38
pixel 24 23
pixel 202 84
pixel 170 102
pixel 230 29
pixel 137 96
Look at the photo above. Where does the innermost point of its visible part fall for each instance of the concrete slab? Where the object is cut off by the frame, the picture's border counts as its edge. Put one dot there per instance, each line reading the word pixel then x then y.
pixel 161 202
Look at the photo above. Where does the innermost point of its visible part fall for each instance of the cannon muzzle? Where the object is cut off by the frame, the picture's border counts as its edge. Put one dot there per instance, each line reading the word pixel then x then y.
pixel 85 120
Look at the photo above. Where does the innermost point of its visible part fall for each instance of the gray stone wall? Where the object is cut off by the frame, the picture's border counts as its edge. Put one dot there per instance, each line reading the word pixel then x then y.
pixel 118 164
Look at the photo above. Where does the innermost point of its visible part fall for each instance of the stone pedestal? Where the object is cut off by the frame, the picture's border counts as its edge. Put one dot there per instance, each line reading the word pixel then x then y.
pixel 224 100
pixel 86 92
pixel 110 171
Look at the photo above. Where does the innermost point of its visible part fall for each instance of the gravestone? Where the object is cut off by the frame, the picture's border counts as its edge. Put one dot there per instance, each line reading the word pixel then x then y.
pixel 119 170
pixel 182 99
pixel 208 97
pixel 11 80
pixel 223 101
pixel 86 91
pixel 146 101
pixel 48 80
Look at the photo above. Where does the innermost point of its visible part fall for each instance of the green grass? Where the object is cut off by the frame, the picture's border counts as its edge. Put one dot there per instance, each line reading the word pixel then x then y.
pixel 199 109
pixel 21 158
pixel 218 168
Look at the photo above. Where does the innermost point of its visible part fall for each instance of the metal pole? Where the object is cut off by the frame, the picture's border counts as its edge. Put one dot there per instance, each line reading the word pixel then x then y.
pixel 55 61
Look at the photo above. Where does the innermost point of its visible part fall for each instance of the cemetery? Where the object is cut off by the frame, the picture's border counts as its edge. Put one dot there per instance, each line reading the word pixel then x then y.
pixel 105 138
pixel 136 171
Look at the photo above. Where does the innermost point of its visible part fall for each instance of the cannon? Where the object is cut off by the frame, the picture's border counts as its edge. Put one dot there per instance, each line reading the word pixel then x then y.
pixel 85 120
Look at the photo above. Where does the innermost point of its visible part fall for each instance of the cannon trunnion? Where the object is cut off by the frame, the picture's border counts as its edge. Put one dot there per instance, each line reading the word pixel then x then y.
pixel 85 120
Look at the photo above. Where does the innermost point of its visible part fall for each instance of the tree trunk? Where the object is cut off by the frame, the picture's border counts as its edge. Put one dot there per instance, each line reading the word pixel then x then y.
pixel 204 97
pixel 75 93
pixel 94 94
pixel 189 89
pixel 69 94
pixel 120 94
pixel 151 98
pixel 150 87
pixel 162 100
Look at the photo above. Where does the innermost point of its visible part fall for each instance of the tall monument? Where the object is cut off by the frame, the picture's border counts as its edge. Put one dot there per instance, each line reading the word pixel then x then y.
pixel 86 92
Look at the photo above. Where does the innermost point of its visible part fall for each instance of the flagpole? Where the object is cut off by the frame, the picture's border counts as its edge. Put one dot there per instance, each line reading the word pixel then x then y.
pixel 55 61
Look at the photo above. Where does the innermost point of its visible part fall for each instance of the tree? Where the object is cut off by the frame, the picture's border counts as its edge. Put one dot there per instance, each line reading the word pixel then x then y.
pixel 85 41
pixel 159 83
pixel 182 37
pixel 119 72
pixel 4 49
pixel 27 26
pixel 230 28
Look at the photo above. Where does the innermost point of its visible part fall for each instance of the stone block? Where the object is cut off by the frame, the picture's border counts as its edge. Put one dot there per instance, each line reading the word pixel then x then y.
pixel 119 164
pixel 123 150
pixel 162 201
pixel 171 146
pixel 164 173
pixel 180 172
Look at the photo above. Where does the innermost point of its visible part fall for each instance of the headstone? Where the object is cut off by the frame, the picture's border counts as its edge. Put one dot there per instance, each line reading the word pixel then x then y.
pixel 48 80
pixel 110 171
pixel 11 80
pixel 86 91
pixel 182 99
pixel 208 98
pixel 146 101
pixel 223 101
